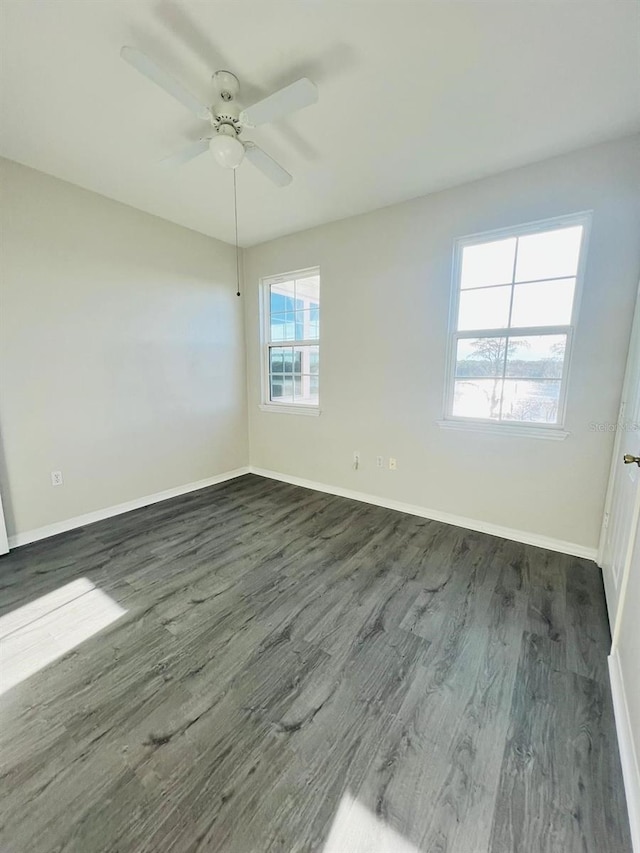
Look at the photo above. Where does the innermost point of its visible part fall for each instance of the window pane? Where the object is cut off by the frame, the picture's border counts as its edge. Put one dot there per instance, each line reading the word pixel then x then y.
pixel 306 389
pixel 480 357
pixel 547 303
pixel 484 309
pixel 536 356
pixel 281 388
pixel 281 296
pixel 531 401
pixel 307 327
pixel 277 327
pixel 276 359
pixel 306 359
pixel 550 254
pixel 488 263
pixel 308 290
pixel 477 398
pixel 278 303
pixel 283 327
pixel 281 360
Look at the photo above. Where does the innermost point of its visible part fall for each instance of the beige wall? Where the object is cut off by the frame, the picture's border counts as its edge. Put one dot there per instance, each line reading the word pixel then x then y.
pixel 386 280
pixel 121 354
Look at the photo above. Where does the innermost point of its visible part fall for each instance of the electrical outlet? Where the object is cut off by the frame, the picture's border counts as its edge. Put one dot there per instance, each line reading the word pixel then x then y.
pixel 356 460
pixel 379 462
pixel 393 463
pixel 56 478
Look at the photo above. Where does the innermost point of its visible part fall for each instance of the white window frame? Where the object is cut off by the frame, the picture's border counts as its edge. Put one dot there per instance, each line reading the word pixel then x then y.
pixel 266 404
pixel 528 429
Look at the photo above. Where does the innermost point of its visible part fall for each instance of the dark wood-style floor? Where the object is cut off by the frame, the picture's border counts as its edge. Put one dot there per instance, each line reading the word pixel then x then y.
pixel 300 672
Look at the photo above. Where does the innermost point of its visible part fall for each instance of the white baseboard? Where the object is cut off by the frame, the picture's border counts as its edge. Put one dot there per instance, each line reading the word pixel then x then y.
pixel 108 512
pixel 436 515
pixel 628 755
pixel 412 509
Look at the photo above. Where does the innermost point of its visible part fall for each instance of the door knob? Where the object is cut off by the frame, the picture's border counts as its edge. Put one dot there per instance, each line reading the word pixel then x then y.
pixel 629 459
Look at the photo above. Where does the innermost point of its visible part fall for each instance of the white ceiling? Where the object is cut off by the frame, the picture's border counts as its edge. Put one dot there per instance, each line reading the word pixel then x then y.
pixel 414 97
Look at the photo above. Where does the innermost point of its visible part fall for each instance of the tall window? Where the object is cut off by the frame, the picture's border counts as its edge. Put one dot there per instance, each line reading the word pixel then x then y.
pixel 291 341
pixel 514 310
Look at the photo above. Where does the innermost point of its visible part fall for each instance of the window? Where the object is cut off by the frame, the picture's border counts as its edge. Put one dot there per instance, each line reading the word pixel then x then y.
pixel 291 342
pixel 513 313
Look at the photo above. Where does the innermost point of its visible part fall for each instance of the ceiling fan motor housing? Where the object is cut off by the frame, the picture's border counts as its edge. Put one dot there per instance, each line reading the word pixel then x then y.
pixel 226 123
pixel 226 85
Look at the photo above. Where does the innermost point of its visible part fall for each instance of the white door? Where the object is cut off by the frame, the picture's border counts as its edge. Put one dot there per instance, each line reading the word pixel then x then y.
pixel 623 498
pixel 4 542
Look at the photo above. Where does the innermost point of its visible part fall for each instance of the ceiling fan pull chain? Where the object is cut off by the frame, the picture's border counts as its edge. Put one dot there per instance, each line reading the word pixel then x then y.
pixel 235 208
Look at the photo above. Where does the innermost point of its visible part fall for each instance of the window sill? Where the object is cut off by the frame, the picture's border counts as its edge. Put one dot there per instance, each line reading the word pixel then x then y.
pixel 522 430
pixel 309 411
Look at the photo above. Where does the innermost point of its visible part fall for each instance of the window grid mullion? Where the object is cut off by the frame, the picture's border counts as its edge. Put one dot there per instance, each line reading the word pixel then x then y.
pixel 306 342
pixel 518 283
pixel 506 340
pixel 504 372
pixel 515 332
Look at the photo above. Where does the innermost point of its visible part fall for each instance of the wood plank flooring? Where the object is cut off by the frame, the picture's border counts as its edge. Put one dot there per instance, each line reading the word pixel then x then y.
pixel 297 672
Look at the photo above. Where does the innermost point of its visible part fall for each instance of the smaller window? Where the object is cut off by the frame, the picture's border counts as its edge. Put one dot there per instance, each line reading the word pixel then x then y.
pixel 513 315
pixel 291 341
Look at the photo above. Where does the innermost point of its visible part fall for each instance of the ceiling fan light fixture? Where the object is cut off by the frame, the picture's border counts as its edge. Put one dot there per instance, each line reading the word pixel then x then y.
pixel 227 150
pixel 225 117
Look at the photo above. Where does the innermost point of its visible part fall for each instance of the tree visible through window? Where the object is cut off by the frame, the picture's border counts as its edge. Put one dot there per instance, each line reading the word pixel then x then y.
pixel 513 315
pixel 291 352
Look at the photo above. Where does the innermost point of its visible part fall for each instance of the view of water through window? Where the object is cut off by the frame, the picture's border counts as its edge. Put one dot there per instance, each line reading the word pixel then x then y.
pixel 515 303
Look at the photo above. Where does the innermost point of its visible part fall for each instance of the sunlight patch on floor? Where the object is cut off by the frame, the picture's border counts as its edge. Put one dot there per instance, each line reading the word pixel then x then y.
pixel 35 635
pixel 358 830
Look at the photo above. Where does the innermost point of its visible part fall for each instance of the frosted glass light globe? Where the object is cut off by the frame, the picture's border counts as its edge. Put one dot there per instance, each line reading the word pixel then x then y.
pixel 227 150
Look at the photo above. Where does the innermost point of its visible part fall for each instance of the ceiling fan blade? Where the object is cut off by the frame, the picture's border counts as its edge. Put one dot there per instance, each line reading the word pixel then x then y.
pixel 189 153
pixel 300 94
pixel 171 86
pixel 267 165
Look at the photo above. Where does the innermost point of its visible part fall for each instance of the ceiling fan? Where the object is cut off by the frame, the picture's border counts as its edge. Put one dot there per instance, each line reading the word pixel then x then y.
pixel 226 118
